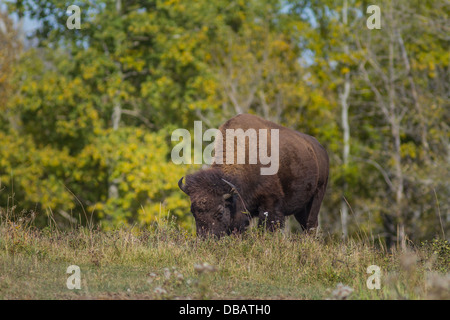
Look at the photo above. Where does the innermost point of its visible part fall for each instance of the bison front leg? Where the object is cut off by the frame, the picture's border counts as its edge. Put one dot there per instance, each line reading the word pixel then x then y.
pixel 270 216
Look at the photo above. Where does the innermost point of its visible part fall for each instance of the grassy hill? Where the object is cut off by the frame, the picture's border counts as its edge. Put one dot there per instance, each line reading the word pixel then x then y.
pixel 164 262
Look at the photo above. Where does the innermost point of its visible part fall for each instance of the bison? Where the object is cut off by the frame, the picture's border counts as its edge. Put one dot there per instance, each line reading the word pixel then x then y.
pixel 226 196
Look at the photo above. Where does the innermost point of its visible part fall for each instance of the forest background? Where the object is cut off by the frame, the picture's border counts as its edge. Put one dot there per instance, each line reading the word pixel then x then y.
pixel 86 115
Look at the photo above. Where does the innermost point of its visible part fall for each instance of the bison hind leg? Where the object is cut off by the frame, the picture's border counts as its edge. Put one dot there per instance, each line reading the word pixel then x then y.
pixel 302 215
pixel 308 215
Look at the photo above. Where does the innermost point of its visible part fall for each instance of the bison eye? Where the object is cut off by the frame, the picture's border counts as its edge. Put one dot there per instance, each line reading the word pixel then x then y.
pixel 219 212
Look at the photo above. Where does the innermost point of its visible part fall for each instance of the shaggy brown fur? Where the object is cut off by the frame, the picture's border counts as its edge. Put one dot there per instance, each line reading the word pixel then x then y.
pixel 297 188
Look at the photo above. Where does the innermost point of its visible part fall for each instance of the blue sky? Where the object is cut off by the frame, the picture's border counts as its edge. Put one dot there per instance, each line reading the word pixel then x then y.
pixel 29 25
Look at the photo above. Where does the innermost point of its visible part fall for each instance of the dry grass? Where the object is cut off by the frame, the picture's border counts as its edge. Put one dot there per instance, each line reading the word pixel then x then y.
pixel 163 262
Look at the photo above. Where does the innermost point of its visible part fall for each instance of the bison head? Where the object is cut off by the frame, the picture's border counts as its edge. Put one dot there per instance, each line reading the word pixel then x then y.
pixel 214 204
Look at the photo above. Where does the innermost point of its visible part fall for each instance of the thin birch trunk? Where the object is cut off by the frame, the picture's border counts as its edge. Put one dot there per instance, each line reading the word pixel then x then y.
pixel 344 95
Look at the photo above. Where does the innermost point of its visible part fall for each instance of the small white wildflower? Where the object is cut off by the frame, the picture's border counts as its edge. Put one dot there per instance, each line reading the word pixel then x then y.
pixel 198 267
pixel 151 277
pixel 204 267
pixel 266 214
pixel 167 273
pixel 341 292
pixel 159 290
pixel 178 275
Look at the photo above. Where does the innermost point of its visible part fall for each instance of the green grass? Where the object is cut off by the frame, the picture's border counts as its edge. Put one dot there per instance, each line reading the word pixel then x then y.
pixel 159 263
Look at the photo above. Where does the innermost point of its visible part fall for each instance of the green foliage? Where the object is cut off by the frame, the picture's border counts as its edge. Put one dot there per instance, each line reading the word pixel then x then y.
pixel 439 249
pixel 137 161
pixel 34 176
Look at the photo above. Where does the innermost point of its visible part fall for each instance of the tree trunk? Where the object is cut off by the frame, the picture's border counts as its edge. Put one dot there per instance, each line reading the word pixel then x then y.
pixel 394 121
pixel 344 95
pixel 113 189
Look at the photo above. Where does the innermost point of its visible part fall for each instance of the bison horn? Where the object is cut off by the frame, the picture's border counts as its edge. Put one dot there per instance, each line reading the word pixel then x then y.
pixel 181 185
pixel 234 190
pixel 231 185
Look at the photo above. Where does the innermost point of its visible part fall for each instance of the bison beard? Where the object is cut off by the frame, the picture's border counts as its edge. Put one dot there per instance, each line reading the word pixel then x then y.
pixel 225 197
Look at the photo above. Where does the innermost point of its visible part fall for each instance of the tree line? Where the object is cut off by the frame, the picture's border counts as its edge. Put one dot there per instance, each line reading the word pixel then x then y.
pixel 86 114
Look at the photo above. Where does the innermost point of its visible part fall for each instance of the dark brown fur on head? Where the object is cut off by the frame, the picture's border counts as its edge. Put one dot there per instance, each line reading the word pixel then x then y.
pixel 208 181
pixel 213 203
